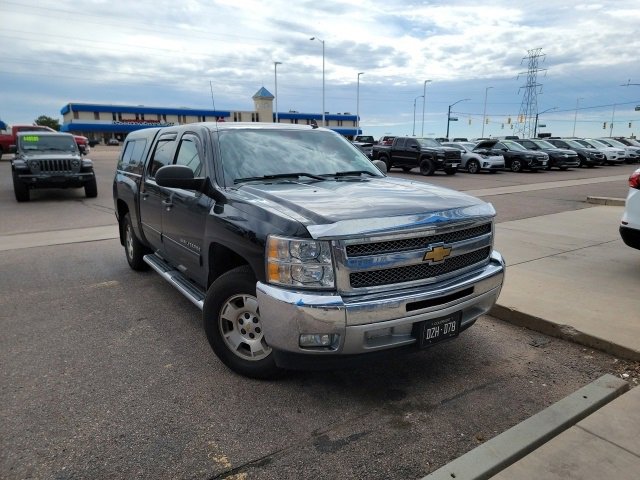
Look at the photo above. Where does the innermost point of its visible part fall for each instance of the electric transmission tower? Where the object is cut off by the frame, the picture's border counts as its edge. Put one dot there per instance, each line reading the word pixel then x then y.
pixel 529 107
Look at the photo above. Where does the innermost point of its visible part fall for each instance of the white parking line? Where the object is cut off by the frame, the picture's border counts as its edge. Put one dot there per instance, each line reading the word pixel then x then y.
pixel 57 237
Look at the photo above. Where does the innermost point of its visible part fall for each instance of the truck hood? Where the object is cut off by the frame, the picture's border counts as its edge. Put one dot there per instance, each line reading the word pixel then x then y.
pixel 50 156
pixel 353 206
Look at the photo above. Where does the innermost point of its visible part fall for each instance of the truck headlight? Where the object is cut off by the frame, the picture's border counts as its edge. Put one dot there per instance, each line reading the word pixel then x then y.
pixel 299 262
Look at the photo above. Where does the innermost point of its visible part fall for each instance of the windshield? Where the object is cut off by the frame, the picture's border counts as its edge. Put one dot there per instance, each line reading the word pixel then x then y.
pixel 253 154
pixel 544 144
pixel 612 143
pixel 41 143
pixel 575 144
pixel 514 146
pixel 597 143
pixel 428 142
pixel 584 143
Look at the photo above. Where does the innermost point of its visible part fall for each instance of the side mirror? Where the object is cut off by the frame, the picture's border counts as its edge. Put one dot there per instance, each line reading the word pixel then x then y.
pixel 380 165
pixel 414 147
pixel 178 176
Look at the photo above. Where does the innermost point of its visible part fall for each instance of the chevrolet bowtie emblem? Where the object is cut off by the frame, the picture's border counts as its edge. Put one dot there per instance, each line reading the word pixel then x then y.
pixel 437 254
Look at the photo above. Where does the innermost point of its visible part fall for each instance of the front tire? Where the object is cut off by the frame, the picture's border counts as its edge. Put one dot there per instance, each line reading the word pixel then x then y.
pixel 516 165
pixel 20 190
pixel 232 323
pixel 473 166
pixel 91 188
pixel 427 167
pixel 133 248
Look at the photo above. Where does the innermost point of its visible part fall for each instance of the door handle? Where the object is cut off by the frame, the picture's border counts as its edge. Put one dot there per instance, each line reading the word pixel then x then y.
pixel 167 203
pixel 144 195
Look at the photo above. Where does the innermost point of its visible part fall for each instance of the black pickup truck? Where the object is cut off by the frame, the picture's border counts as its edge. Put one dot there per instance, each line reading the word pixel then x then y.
pixel 426 153
pixel 297 249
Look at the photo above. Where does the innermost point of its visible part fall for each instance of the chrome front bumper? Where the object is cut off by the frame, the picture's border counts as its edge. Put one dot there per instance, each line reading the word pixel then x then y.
pixel 378 321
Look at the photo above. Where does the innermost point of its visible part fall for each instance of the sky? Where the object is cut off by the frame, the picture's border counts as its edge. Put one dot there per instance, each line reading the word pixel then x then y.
pixel 176 54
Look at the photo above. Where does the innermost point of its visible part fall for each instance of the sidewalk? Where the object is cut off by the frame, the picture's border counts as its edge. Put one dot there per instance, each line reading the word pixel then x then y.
pixel 569 275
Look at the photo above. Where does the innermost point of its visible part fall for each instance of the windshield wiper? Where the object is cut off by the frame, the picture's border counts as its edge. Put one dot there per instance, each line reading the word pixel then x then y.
pixel 349 173
pixel 279 175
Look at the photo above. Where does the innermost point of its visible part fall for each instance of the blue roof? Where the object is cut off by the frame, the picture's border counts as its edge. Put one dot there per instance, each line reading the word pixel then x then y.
pixel 263 93
pixel 90 107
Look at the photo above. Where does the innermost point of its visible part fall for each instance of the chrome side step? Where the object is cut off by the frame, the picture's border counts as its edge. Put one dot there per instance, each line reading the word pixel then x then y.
pixel 175 278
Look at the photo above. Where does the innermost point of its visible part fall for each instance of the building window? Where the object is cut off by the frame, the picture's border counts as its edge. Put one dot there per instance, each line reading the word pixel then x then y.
pixel 142 116
pixel 158 117
pixel 255 117
pixel 75 115
pixel 120 116
pixel 113 116
pixel 137 116
pixel 96 116
pixel 164 117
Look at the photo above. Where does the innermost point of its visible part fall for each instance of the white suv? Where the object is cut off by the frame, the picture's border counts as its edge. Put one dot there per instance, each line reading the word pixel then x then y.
pixel 630 225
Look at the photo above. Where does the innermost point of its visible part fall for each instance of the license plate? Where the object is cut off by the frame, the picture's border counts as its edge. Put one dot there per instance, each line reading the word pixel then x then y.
pixel 436 330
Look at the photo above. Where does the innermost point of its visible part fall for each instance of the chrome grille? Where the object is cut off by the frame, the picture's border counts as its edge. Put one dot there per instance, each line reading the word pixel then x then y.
pixel 417 272
pixel 376 248
pixel 55 166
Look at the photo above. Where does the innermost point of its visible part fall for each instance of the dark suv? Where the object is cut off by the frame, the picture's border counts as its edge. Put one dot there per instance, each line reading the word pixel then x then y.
pixel 50 160
pixel 588 157
pixel 558 157
pixel 516 157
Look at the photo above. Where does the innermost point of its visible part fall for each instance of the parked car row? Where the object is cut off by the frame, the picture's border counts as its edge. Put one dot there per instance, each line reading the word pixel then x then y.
pixel 513 154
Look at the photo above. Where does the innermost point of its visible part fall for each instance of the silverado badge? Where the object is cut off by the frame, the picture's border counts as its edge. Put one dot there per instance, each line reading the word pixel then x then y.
pixel 437 253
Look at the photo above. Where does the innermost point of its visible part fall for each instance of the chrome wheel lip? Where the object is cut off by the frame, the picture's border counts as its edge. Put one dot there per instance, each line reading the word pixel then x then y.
pixel 129 240
pixel 245 323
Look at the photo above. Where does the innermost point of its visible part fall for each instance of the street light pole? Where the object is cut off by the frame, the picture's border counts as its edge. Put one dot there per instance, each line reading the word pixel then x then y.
pixel 424 101
pixel 612 116
pixel 575 116
pixel 324 124
pixel 414 114
pixel 535 126
pixel 358 105
pixel 449 114
pixel 275 74
pixel 484 112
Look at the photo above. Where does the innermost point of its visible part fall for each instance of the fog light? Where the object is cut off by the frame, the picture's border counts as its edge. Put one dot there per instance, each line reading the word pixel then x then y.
pixel 318 339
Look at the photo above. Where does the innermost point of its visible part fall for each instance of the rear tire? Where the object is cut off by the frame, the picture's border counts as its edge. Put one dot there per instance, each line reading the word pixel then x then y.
pixel 427 167
pixel 91 188
pixel 20 190
pixel 232 323
pixel 133 248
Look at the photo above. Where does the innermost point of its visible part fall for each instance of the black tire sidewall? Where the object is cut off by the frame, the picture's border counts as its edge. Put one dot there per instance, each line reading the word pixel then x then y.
pixel 20 190
pixel 427 167
pixel 476 165
pixel 91 188
pixel 136 262
pixel 240 280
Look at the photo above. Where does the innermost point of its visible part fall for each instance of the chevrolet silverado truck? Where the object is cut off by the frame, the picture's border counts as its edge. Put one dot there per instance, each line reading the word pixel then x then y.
pixel 46 159
pixel 426 153
pixel 299 252
pixel 8 140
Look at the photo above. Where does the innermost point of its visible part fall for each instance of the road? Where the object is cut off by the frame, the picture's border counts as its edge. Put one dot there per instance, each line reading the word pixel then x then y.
pixel 106 372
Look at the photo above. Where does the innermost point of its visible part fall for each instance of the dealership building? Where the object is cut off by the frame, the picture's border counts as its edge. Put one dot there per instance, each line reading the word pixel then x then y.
pixel 101 122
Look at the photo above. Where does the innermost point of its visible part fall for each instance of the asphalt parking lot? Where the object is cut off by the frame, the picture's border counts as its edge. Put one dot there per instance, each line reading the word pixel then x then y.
pixel 106 372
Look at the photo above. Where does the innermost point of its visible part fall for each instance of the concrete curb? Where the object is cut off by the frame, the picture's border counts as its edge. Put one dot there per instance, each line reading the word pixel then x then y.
pixel 566 332
pixel 507 448
pixel 610 201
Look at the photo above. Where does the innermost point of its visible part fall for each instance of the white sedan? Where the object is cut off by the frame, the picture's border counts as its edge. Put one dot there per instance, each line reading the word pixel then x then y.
pixel 473 162
pixel 630 225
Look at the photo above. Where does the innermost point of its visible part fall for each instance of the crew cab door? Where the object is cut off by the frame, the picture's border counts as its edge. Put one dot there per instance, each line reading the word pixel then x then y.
pixel 185 212
pixel 411 152
pixel 151 194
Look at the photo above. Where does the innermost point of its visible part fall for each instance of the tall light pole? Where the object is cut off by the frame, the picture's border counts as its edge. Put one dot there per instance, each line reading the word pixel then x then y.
pixel 612 116
pixel 484 112
pixel 275 73
pixel 535 127
pixel 321 41
pixel 575 116
pixel 358 105
pixel 414 113
pixel 449 114
pixel 424 100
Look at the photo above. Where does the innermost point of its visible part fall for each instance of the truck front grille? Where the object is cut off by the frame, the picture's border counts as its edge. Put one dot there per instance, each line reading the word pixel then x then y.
pixel 417 272
pixel 55 166
pixel 377 248
pixel 378 263
pixel 452 155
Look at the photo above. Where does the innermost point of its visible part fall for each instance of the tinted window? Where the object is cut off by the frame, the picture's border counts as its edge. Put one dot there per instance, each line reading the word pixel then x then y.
pixel 189 156
pixel 162 155
pixel 132 160
pixel 400 143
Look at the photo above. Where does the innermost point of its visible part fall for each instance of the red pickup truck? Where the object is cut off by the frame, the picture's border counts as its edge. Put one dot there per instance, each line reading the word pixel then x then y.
pixel 8 141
